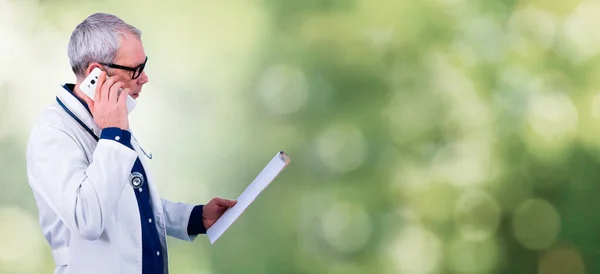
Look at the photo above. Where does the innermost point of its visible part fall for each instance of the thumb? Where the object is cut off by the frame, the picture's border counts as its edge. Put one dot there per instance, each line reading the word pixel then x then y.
pixel 230 203
pixel 226 202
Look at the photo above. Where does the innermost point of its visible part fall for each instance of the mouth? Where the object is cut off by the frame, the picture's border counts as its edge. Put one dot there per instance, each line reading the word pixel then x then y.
pixel 135 95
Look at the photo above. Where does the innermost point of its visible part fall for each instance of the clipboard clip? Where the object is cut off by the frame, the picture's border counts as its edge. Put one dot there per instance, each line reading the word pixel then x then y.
pixel 284 157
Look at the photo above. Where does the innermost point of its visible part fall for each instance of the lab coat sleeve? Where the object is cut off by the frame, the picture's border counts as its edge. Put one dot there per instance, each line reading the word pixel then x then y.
pixel 177 216
pixel 84 194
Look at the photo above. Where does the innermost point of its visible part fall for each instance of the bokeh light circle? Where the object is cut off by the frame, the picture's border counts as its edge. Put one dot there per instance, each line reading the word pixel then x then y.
pixel 536 224
pixel 562 260
pixel 342 147
pixel 416 251
pixel 477 215
pixel 283 88
pixel 346 227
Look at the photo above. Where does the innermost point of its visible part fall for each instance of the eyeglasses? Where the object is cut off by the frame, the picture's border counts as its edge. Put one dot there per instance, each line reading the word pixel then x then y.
pixel 136 71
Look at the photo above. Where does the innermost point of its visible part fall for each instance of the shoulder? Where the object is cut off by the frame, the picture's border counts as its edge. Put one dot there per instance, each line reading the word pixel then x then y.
pixel 53 119
pixel 52 116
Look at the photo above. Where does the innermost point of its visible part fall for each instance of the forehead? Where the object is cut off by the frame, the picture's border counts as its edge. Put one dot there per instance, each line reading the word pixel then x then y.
pixel 131 52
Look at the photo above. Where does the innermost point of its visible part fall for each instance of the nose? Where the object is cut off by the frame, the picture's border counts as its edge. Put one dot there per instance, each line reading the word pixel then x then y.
pixel 143 78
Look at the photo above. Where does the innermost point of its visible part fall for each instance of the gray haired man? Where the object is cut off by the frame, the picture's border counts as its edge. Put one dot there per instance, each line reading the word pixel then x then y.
pixel 99 207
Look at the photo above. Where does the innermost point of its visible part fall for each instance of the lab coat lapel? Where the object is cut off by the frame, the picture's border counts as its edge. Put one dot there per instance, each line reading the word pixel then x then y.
pixel 157 207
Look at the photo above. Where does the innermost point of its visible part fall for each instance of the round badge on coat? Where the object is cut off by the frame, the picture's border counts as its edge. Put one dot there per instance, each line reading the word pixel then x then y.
pixel 136 180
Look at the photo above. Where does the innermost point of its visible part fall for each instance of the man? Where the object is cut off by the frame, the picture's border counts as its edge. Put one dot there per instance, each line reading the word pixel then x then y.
pixel 99 207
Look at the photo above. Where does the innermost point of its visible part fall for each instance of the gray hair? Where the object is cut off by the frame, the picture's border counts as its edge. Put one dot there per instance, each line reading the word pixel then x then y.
pixel 97 39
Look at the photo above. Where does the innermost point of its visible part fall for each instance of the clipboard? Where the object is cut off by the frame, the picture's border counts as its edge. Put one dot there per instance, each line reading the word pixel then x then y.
pixel 264 178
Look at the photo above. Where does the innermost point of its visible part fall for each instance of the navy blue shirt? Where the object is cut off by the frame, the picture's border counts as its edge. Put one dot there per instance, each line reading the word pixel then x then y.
pixel 152 261
pixel 152 257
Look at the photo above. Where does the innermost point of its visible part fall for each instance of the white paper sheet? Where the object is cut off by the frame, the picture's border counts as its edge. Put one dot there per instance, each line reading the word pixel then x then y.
pixel 264 178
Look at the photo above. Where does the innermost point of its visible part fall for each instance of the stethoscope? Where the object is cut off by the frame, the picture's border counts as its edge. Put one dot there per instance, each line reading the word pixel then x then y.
pixel 89 130
pixel 136 179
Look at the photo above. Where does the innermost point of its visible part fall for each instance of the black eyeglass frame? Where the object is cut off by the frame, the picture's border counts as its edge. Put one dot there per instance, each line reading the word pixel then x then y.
pixel 137 71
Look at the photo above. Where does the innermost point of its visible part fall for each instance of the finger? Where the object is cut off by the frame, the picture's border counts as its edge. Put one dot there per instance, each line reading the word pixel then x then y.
pixel 114 92
pixel 98 93
pixel 123 95
pixel 107 86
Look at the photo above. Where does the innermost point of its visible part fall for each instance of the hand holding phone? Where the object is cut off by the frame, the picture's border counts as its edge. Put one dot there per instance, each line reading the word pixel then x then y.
pixel 88 86
pixel 107 100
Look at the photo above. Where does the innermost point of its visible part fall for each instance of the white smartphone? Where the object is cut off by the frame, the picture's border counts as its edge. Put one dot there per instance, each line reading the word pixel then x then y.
pixel 88 86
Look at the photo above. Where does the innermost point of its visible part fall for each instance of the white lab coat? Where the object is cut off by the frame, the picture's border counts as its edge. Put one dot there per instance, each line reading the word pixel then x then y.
pixel 87 209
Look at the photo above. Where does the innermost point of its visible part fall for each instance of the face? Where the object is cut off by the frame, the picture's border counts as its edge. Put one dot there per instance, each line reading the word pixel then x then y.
pixel 130 54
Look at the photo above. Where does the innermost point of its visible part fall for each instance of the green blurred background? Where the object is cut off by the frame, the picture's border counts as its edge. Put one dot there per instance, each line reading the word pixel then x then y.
pixel 432 136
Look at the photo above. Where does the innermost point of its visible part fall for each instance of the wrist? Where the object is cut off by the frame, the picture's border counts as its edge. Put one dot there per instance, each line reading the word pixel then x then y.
pixel 118 135
pixel 196 224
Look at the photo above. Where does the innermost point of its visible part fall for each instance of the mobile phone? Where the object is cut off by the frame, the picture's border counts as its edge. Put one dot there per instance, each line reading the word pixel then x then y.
pixel 88 86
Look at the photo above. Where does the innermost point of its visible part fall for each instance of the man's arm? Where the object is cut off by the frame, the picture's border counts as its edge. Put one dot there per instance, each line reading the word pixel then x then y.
pixel 185 221
pixel 83 194
pixel 177 217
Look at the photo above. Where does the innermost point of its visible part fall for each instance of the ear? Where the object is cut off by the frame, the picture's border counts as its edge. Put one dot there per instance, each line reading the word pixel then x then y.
pixel 91 67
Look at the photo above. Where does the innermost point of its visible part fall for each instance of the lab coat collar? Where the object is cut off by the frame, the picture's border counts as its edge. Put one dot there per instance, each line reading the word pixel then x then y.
pixel 77 107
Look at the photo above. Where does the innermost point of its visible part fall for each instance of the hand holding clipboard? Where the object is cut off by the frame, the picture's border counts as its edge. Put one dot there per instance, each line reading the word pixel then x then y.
pixel 264 178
